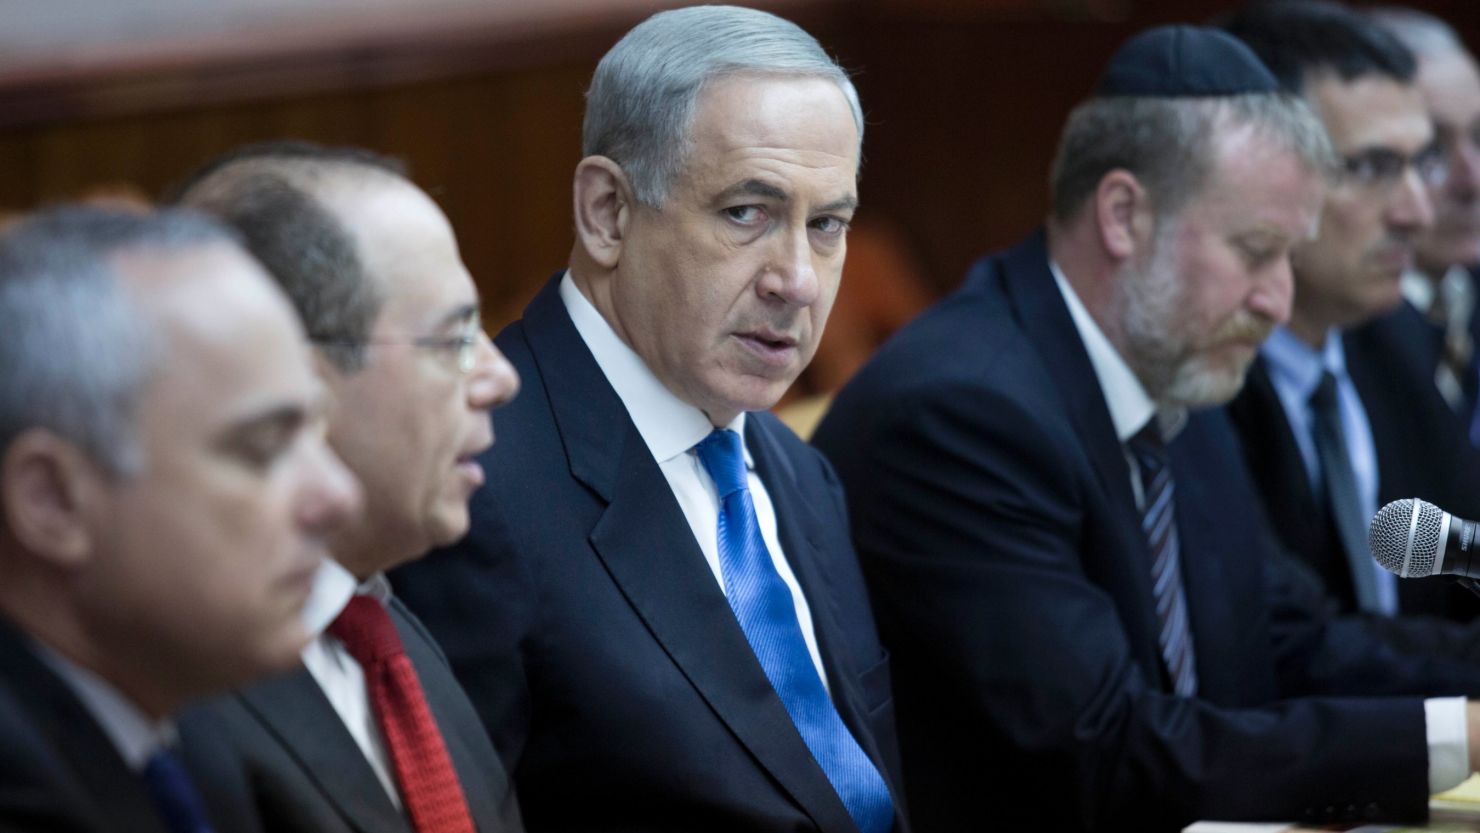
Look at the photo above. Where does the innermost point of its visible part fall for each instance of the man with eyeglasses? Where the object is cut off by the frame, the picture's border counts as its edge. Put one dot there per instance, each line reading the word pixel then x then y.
pixel 1334 424
pixel 372 733
pixel 1442 284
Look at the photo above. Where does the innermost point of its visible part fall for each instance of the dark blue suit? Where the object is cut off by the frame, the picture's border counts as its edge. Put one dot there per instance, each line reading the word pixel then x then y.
pixel 1422 452
pixel 60 773
pixel 590 633
pixel 992 506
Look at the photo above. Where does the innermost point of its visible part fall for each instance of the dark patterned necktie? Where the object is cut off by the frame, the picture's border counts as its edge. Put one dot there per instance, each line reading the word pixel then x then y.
pixel 1342 500
pixel 429 786
pixel 763 605
pixel 1159 523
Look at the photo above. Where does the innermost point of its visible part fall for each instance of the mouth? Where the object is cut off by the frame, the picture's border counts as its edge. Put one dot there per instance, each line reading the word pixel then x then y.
pixel 772 348
pixel 299 583
pixel 1395 258
pixel 467 465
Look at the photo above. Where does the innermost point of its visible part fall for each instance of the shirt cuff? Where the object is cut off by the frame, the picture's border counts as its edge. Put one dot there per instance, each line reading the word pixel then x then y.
pixel 1449 743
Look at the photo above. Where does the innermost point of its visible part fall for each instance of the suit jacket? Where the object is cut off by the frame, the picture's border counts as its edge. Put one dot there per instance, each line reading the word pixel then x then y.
pixel 993 510
pixel 1425 351
pixel 592 636
pixel 1421 452
pixel 60 773
pixel 308 774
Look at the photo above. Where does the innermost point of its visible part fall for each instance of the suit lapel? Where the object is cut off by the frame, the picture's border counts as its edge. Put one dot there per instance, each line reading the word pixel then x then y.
pixel 1275 460
pixel 76 738
pixel 799 531
pixel 646 545
pixel 1045 319
pixel 441 691
pixel 1204 561
pixel 294 710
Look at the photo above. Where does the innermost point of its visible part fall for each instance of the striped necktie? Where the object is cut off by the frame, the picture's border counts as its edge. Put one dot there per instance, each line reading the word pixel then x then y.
pixel 1159 523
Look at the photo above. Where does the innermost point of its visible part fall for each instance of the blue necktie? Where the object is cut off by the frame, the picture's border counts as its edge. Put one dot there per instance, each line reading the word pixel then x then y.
pixel 763 605
pixel 1159 523
pixel 179 804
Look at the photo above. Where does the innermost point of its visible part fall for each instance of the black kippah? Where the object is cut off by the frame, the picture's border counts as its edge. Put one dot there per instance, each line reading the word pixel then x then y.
pixel 1177 61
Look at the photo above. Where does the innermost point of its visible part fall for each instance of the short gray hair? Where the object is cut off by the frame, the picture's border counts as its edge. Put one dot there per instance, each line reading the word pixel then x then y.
pixel 1169 144
pixel 77 350
pixel 640 108
pixel 1425 36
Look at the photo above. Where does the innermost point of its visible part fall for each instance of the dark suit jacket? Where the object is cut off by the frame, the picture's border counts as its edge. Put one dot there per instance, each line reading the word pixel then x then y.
pixel 59 772
pixel 308 774
pixel 1426 351
pixel 1421 452
pixel 993 510
pixel 590 632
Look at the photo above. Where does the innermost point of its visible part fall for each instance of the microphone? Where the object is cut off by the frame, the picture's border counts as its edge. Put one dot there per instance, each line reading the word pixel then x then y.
pixel 1416 539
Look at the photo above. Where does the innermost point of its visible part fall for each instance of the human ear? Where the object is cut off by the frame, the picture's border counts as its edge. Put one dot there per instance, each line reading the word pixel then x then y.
pixel 1123 213
pixel 603 203
pixel 48 488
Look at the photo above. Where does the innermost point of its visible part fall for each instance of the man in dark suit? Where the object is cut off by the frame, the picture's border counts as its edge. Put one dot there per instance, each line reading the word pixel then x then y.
pixel 1071 572
pixel 372 733
pixel 658 612
pixel 1443 283
pixel 1334 420
pixel 167 503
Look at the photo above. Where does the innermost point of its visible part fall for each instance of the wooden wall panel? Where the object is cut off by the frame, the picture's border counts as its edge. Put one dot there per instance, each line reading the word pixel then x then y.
pixel 964 103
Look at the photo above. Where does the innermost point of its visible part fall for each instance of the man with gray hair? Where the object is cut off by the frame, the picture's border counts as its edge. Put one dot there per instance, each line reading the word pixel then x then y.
pixel 168 500
pixel 658 611
pixel 1443 283
pixel 1091 625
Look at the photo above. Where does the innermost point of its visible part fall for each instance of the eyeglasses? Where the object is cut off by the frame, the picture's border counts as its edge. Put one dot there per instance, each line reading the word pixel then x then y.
pixel 1381 168
pixel 464 345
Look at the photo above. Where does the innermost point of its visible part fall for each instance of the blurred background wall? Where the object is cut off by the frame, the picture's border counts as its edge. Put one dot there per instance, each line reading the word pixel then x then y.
pixel 483 98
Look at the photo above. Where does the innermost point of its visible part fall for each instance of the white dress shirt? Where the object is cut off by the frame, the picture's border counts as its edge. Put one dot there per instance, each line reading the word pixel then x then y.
pixel 1130 408
pixel 339 674
pixel 133 733
pixel 671 428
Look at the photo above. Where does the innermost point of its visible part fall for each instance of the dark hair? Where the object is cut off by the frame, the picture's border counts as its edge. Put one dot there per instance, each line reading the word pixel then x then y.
pixel 1300 38
pixel 265 192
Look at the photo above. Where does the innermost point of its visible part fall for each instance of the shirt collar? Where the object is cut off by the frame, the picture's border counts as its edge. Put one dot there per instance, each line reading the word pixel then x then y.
pixel 1299 366
pixel 1130 406
pixel 133 733
pixel 1418 290
pixel 332 588
pixel 668 425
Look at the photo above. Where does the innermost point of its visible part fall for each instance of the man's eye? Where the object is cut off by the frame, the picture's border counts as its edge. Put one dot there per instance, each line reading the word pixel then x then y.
pixel 259 450
pixel 830 225
pixel 744 214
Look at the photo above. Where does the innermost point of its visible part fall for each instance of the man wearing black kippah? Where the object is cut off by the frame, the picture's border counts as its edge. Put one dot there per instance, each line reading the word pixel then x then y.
pixel 1089 627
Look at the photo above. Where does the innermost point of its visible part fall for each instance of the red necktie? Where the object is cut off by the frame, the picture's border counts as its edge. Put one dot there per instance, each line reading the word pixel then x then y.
pixel 429 786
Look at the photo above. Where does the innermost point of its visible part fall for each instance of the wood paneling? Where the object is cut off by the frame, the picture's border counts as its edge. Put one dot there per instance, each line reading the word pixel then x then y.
pixel 964 103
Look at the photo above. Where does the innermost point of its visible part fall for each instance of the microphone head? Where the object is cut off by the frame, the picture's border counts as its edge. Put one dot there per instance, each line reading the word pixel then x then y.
pixel 1405 537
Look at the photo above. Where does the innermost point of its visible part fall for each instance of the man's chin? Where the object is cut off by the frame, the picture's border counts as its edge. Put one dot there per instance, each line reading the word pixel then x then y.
pixel 1206 387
